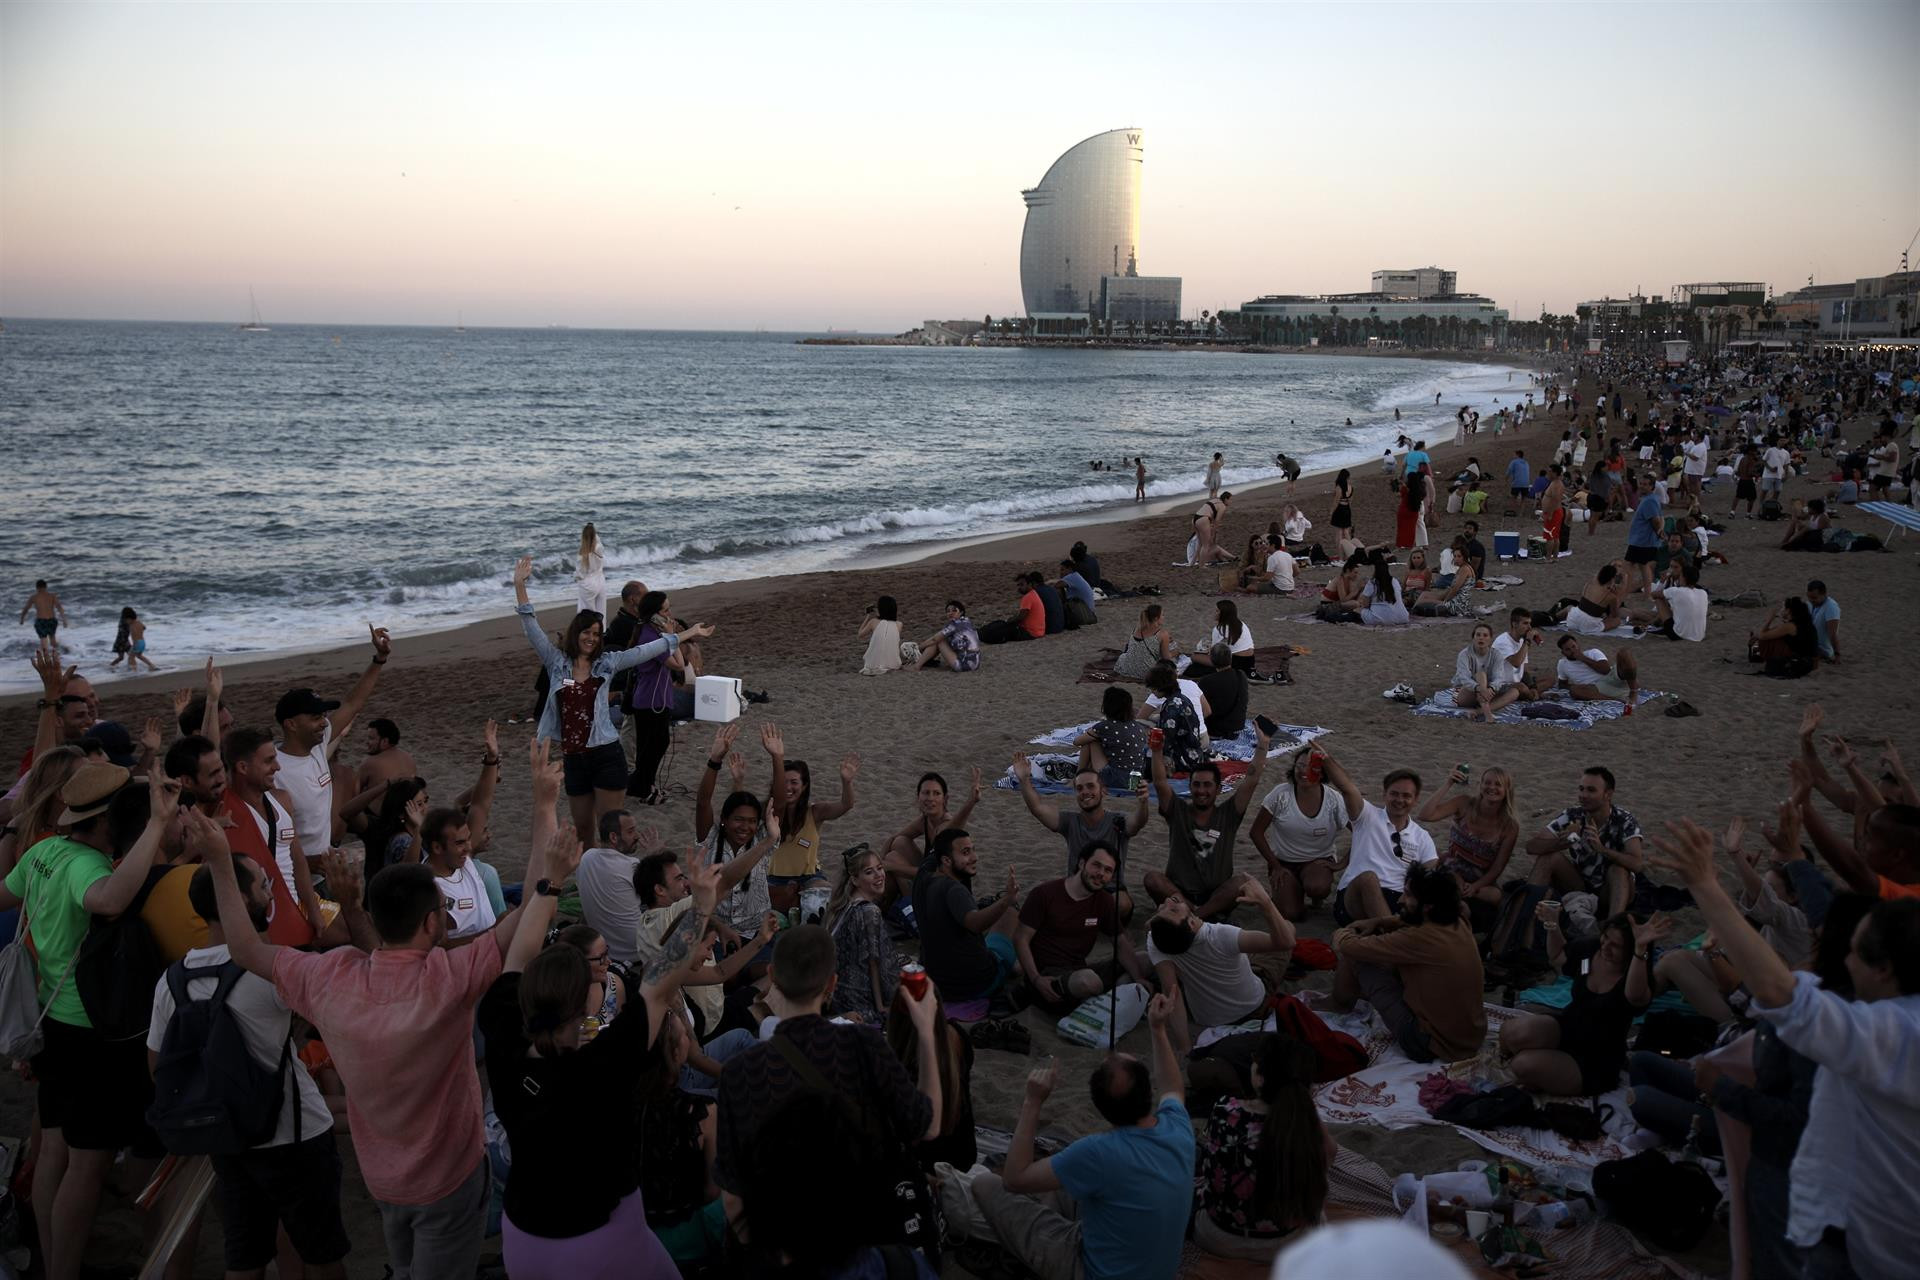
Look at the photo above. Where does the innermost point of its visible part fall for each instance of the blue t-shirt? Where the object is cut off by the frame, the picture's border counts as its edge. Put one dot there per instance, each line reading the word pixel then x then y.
pixel 1518 473
pixel 1077 589
pixel 1646 530
pixel 1416 459
pixel 1829 611
pixel 1133 1192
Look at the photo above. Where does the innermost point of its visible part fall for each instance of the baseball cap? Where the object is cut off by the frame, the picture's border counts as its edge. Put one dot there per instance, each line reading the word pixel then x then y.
pixel 113 740
pixel 301 702
pixel 90 790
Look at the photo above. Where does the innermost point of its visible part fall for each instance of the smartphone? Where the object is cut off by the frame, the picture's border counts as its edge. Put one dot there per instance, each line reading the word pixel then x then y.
pixel 1267 726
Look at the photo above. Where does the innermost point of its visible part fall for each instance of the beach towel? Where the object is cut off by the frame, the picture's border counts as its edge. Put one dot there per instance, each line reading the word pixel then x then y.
pixel 1308 620
pixel 1053 775
pixel 1618 633
pixel 1290 738
pixel 1386 1094
pixel 1232 757
pixel 1589 713
pixel 1559 994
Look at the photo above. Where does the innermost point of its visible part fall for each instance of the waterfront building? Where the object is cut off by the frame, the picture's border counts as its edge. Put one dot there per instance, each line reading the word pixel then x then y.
pixel 1083 222
pixel 1416 282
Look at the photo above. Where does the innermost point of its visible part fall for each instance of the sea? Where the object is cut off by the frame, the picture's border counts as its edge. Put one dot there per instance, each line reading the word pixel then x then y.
pixel 253 493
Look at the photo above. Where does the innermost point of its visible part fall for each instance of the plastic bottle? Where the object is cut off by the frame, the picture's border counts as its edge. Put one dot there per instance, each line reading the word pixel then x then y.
pixel 1545 1217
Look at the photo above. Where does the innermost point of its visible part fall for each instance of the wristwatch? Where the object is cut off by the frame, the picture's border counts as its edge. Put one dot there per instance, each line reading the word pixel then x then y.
pixel 546 888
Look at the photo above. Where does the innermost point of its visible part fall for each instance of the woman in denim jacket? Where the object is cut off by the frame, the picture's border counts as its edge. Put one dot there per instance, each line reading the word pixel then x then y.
pixel 576 713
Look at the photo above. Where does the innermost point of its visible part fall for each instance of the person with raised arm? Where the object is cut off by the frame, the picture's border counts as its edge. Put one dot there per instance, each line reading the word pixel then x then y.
pixel 576 715
pixel 795 865
pixel 575 1209
pixel 309 727
pixel 399 1024
pixel 1089 822
pixel 1865 1110
pixel 738 844
pixel 1129 1188
pixel 1387 843
pixel 1295 833
pixel 1203 964
pixel 909 846
pixel 1200 832
pixel 1480 841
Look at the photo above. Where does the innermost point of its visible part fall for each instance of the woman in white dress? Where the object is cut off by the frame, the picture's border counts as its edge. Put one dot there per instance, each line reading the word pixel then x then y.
pixel 881 631
pixel 590 574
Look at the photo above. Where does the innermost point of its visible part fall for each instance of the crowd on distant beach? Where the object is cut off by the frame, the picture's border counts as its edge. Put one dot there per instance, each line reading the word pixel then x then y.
pixel 753 1057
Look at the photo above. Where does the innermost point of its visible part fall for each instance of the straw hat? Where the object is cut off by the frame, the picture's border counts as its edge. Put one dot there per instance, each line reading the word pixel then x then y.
pixel 90 790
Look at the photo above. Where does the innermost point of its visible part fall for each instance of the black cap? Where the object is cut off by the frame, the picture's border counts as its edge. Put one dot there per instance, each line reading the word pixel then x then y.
pixel 113 740
pixel 301 702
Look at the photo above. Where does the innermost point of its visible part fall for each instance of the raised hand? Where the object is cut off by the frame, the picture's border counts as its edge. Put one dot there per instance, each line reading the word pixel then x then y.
pixel 1159 1009
pixel 1651 932
pixel 164 796
pixel 1785 838
pixel 1736 834
pixel 343 875
pixel 648 843
pixel 416 812
pixel 522 570
pixel 769 924
pixel 563 853
pixel 1253 892
pixel 1810 720
pixel 771 821
pixel 771 739
pixel 723 740
pixel 216 680
pixel 700 632
pixel 490 738
pixel 1022 767
pixel 150 738
pixel 737 766
pixel 46 663
pixel 382 642
pixel 181 697
pixel 546 773
pixel 1013 885
pixel 850 766
pixel 1687 851
pixel 977 783
pixel 1041 1080
pixel 1841 752
pixel 207 842
pixel 703 880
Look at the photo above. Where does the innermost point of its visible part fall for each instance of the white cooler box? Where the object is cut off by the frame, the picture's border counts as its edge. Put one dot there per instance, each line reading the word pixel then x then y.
pixel 716 698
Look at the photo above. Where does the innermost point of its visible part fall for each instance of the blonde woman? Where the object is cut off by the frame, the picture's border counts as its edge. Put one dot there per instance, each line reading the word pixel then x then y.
pixel 32 818
pixel 867 968
pixel 590 573
pixel 1484 829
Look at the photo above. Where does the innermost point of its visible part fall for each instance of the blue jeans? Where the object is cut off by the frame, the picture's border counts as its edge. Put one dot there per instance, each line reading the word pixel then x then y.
pixel 721 1048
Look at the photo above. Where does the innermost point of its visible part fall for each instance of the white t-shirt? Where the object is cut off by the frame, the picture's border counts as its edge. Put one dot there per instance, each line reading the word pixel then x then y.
pixel 1776 460
pixel 1373 849
pixel 283 834
pixel 472 911
pixel 1885 460
pixel 608 902
pixel 1567 671
pixel 1243 645
pixel 1696 457
pixel 1294 836
pixel 1381 613
pixel 263 1020
pixel 1280 565
pixel 1218 983
pixel 655 924
pixel 1296 528
pixel 308 783
pixel 1689 606
pixel 1504 672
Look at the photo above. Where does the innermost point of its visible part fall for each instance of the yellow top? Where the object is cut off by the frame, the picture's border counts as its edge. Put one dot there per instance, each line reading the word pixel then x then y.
pixel 799 853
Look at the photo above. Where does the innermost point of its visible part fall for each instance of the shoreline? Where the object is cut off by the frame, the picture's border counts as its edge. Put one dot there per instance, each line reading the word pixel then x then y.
pixel 457 638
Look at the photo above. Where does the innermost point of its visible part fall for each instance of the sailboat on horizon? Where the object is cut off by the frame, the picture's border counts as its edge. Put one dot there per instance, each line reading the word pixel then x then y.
pixel 253 324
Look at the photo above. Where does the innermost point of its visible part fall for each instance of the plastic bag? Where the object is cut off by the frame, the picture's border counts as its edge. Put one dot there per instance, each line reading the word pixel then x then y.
pixel 1121 1010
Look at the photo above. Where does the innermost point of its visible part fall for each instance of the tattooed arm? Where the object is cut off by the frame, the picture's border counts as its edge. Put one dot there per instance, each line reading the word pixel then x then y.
pixel 661 979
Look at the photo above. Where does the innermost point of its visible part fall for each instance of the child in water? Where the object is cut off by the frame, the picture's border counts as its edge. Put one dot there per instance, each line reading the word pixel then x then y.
pixel 130 642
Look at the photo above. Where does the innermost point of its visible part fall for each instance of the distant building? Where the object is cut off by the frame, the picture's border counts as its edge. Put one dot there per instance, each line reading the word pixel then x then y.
pixel 1083 222
pixel 946 333
pixel 1380 307
pixel 1416 282
pixel 1137 300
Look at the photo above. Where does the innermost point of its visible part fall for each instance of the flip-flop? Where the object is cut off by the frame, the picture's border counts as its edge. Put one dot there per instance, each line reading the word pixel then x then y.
pixel 1682 709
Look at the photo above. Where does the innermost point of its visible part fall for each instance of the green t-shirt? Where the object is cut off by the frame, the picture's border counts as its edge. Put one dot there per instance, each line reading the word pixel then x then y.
pixel 53 877
pixel 1474 502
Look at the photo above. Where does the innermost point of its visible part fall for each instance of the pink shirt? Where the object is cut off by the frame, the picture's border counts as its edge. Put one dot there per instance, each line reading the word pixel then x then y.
pixel 399 1025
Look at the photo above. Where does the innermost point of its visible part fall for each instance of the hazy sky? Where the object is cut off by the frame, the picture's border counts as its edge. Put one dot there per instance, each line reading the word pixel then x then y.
pixel 800 166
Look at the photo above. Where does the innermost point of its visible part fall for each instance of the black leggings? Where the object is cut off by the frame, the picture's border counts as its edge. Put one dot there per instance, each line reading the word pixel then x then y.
pixel 652 735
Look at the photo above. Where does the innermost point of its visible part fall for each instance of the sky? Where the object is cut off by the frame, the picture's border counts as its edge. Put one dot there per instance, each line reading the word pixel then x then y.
pixel 801 166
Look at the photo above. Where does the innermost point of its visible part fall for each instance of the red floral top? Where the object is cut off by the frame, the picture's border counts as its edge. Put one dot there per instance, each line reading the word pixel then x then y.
pixel 1227 1174
pixel 576 713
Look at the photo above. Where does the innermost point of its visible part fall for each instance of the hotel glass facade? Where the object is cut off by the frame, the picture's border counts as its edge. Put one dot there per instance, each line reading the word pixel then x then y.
pixel 1083 222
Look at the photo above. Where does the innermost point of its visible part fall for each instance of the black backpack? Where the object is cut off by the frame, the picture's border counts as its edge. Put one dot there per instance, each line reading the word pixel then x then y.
pixel 117 967
pixel 1494 1109
pixel 210 1095
pixel 1671 1203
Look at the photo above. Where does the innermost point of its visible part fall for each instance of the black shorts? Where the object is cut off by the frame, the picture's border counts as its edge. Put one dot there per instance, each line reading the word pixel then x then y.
pixel 1642 555
pixel 1745 491
pixel 1519 490
pixel 1879 483
pixel 296 1185
pixel 1343 917
pixel 94 1090
pixel 602 768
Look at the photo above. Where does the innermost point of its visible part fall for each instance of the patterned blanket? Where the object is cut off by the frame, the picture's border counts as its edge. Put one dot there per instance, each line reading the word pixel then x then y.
pixel 1270 666
pixel 1591 713
pixel 1232 752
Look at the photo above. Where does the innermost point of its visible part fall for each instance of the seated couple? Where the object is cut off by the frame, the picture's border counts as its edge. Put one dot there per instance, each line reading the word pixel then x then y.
pixel 1365 592
pixel 956 645
pixel 1269 569
pixel 1491 672
pixel 1443 595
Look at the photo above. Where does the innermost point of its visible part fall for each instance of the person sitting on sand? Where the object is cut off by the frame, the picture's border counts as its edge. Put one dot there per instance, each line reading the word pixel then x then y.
pixel 1253 566
pixel 1200 832
pixel 1597 608
pixel 1480 841
pixel 1229 630
pixel 1224 695
pixel 1386 842
pixel 1451 595
pixel 1295 831
pixel 1115 746
pixel 1592 847
pixel 1680 604
pixel 1580 1050
pixel 1808 532
pixel 1590 676
pixel 1510 654
pixel 1277 574
pixel 1088 566
pixel 1177 719
pixel 1127 1192
pixel 1787 642
pixel 1294 526
pixel 1077 596
pixel 1059 922
pixel 1089 822
pixel 795 864
pixel 907 847
pixel 1418 577
pixel 881 631
pixel 1053 605
pixel 1419 967
pixel 1381 602
pixel 1475 671
pixel 967 948
pixel 1340 598
pixel 1150 642
pixel 1262 1177
pixel 955 646
pixel 1202 965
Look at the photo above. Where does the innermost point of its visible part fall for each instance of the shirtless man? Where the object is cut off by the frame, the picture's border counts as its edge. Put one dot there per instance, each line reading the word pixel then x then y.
pixel 1206 527
pixel 1140 479
pixel 385 760
pixel 48 613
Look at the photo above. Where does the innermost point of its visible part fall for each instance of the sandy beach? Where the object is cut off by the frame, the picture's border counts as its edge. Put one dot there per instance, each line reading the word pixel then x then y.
pixel 794 637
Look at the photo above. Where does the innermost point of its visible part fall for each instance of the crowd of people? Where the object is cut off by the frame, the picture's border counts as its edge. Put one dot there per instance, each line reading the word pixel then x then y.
pixel 772 1047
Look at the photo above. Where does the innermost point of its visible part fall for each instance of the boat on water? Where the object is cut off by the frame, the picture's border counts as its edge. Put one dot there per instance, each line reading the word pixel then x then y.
pixel 253 324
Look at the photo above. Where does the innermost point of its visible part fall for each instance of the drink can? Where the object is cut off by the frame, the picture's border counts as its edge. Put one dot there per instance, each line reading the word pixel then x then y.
pixel 1133 782
pixel 589 1028
pixel 1156 738
pixel 1466 770
pixel 914 978
pixel 1316 764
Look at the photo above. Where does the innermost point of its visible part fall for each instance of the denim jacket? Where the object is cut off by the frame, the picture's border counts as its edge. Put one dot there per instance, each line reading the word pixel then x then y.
pixel 560 669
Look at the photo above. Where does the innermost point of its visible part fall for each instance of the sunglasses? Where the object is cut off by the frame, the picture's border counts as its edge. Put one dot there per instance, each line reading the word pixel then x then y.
pixel 1398 851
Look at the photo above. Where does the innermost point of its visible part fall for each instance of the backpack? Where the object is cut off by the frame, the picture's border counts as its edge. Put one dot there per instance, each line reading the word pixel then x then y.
pixel 1670 1203
pixel 117 968
pixel 210 1095
pixel 20 1010
pixel 1494 1109
pixel 1770 509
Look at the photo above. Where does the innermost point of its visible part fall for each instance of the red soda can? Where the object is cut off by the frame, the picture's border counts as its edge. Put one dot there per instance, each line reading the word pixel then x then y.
pixel 1315 764
pixel 914 979
pixel 1156 738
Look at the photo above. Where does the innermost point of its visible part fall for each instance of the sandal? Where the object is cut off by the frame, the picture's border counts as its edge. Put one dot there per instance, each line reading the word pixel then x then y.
pixel 1682 709
pixel 1014 1036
